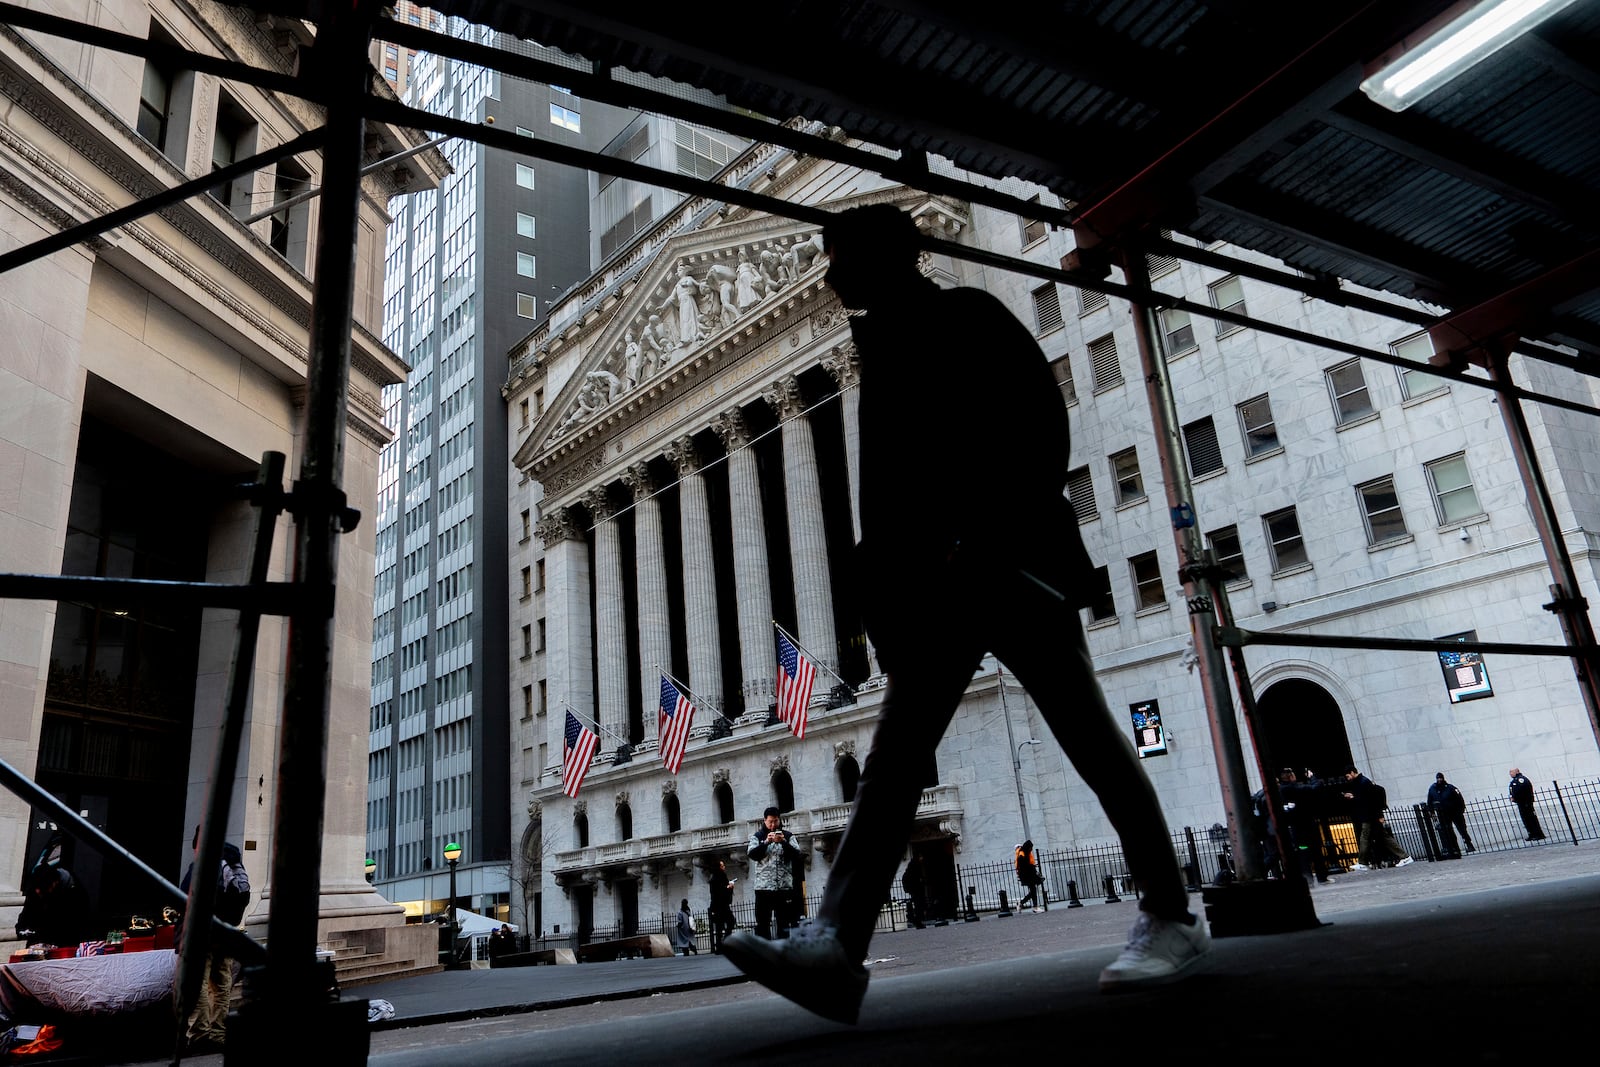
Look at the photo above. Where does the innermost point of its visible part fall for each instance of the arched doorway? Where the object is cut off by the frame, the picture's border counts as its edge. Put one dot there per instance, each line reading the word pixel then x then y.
pixel 1303 728
pixel 532 879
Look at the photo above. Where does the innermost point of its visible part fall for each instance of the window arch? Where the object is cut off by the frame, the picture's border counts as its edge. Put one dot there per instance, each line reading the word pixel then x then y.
pixel 849 773
pixel 624 822
pixel 580 830
pixel 722 800
pixel 671 816
pixel 782 790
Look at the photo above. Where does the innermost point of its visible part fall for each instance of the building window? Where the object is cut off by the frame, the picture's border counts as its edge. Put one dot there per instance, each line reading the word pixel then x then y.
pixel 1284 541
pixel 1177 330
pixel 1103 363
pixel 566 118
pixel 1046 309
pixel 525 176
pixel 233 139
pixel 1089 300
pixel 1080 491
pixel 525 226
pixel 1416 348
pixel 1255 422
pixel 1101 604
pixel 523 131
pixel 526 264
pixel 671 815
pixel 544 697
pixel 527 526
pixel 1229 553
pixel 527 641
pixel 523 406
pixel 289 230
pixel 1033 229
pixel 525 306
pixel 1146 581
pixel 1454 498
pixel 580 830
pixel 624 822
pixel 1380 507
pixel 1348 388
pixel 527 582
pixel 1200 438
pixel 159 122
pixel 1125 472
pixel 538 573
pixel 527 702
pixel 540 646
pixel 1062 369
pixel 722 800
pixel 1162 264
pixel 1228 295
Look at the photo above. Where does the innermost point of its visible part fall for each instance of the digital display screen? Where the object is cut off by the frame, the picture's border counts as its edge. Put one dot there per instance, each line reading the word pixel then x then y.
pixel 1149 736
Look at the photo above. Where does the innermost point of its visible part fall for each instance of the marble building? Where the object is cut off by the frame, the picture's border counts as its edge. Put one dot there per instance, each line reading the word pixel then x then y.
pixel 145 373
pixel 689 480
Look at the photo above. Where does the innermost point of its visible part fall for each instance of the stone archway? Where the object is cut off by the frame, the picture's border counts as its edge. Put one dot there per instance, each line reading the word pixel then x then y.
pixel 1303 728
pixel 531 878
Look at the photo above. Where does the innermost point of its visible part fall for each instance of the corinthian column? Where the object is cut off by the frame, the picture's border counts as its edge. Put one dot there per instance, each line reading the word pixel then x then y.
pixel 757 658
pixel 611 634
pixel 570 647
pixel 699 577
pixel 650 567
pixel 808 541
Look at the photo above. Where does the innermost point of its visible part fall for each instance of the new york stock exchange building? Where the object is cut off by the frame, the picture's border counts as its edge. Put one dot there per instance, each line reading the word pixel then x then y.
pixel 682 481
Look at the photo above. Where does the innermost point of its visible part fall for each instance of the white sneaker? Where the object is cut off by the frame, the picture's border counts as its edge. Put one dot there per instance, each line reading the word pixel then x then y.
pixel 1038 911
pixel 809 967
pixel 1359 867
pixel 1405 861
pixel 1158 951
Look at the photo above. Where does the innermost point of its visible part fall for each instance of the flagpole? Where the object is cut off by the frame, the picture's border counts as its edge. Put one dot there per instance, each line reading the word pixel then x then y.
pixel 698 702
pixel 821 663
pixel 598 728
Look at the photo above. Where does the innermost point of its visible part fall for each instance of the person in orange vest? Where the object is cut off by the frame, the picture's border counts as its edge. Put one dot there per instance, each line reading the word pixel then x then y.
pixel 1028 875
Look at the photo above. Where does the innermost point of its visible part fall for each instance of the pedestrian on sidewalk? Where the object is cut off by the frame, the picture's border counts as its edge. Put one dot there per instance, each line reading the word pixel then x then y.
pixel 1522 797
pixel 1028 875
pixel 683 932
pixel 945 586
pixel 1450 808
pixel 1376 847
pixel 915 882
pixel 772 854
pixel 719 914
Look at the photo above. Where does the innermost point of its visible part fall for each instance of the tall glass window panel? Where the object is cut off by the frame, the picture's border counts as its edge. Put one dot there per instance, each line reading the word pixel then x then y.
pixel 1177 330
pixel 1284 541
pixel 1229 553
pixel 1416 349
pixel 1228 295
pixel 1255 423
pixel 1454 498
pixel 1348 388
pixel 1146 581
pixel 1380 509
pixel 1125 472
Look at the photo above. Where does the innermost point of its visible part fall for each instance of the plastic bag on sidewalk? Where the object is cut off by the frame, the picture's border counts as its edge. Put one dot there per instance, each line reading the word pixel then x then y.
pixel 379 1010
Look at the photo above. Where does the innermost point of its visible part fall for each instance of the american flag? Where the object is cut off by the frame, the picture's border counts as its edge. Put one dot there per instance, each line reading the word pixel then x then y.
pixel 577 751
pixel 676 715
pixel 796 674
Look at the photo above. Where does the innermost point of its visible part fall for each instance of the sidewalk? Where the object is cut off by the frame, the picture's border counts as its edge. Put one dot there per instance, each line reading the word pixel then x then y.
pixel 454 995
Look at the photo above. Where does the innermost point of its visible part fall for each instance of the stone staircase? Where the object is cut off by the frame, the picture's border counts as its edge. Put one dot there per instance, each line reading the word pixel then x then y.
pixel 361 957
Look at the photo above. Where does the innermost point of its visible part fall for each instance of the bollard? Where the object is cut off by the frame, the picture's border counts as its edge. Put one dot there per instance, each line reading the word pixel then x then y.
pixel 1072 895
pixel 972 906
pixel 1111 891
pixel 1005 906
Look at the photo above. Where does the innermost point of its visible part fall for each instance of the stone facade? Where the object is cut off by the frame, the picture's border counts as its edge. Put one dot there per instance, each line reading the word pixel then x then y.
pixel 181 337
pixel 683 495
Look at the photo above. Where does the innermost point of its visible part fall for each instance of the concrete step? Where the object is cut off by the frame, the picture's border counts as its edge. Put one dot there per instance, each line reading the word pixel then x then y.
pixel 386 972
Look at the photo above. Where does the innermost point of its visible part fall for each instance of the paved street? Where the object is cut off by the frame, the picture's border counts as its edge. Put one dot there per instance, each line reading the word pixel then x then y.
pixel 1488 957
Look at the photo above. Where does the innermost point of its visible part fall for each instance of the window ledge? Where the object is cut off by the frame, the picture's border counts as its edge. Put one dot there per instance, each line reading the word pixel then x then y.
pixel 1084 313
pixel 1209 475
pixel 1277 450
pixel 1238 583
pixel 1412 401
pixel 1298 568
pixel 1393 542
pixel 1126 504
pixel 1180 353
pixel 1057 328
pixel 1153 609
pixel 1229 331
pixel 1101 624
pixel 1371 416
pixel 1479 519
pixel 524 540
pixel 1110 386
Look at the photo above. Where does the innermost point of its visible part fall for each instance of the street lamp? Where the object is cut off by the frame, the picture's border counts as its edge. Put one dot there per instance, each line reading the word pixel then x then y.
pixel 372 869
pixel 452 856
pixel 1016 768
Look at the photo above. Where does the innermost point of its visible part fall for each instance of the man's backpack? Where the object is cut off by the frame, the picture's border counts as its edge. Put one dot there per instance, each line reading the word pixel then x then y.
pixel 233 887
pixel 1380 798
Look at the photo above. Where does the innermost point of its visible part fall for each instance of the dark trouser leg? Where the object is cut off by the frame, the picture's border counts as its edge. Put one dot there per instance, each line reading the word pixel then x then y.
pixel 1030 899
pixel 765 899
pixel 1461 825
pixel 1530 820
pixel 1447 838
pixel 1046 647
pixel 917 706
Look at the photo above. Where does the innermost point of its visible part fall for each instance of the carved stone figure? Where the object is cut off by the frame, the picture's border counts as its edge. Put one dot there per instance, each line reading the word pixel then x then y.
pixel 658 343
pixel 685 293
pixel 748 285
pixel 802 254
pixel 773 275
pixel 721 277
pixel 607 386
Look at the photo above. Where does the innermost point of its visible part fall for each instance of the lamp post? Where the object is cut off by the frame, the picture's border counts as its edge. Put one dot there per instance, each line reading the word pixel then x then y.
pixel 452 856
pixel 372 869
pixel 1016 769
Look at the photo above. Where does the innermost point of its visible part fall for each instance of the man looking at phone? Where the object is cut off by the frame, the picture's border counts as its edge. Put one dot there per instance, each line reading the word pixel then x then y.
pixel 772 856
